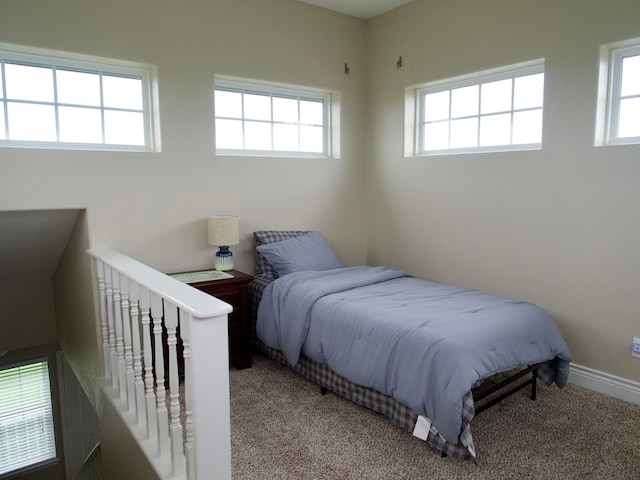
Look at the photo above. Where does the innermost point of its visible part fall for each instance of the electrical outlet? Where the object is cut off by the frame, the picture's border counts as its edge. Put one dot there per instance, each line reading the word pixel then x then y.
pixel 635 348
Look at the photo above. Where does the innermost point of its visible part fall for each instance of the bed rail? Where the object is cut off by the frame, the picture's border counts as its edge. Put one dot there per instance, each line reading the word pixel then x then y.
pixel 140 312
pixel 505 383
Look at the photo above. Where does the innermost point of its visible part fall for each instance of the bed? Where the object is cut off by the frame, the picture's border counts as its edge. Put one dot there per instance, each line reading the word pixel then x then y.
pixel 424 354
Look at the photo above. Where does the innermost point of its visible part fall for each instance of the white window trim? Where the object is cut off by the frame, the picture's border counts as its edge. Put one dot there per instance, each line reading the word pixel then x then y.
pixel 609 96
pixel 414 108
pixel 84 63
pixel 276 89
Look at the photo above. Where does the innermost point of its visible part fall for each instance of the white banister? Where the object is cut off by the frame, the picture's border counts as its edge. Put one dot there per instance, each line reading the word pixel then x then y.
pixel 149 401
pixel 113 356
pixel 141 312
pixel 125 305
pixel 104 322
pixel 189 451
pixel 177 453
pixel 138 384
pixel 157 313
pixel 117 312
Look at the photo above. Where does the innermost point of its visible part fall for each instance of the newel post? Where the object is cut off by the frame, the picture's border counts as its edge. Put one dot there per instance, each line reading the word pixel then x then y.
pixel 210 397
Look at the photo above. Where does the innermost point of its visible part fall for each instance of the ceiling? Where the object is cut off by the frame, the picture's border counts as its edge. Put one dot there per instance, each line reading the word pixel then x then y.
pixel 359 8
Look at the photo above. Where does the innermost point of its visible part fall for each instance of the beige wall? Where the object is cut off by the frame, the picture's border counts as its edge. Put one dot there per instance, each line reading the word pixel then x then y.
pixel 75 310
pixel 153 206
pixel 558 227
pixel 27 314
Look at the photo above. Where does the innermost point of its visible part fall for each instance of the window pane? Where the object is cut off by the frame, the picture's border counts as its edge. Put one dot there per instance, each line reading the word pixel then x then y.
pixel 527 127
pixel 495 130
pixel 29 83
pixel 257 136
pixel 480 110
pixel 285 137
pixel 436 106
pixel 74 90
pixel 311 139
pixel 228 104
pixel 496 96
pixel 629 123
pixel 464 101
pixel 31 122
pixel 78 88
pixel 285 110
pixel 271 120
pixel 464 133
pixel 80 125
pixel 631 76
pixel 229 134
pixel 121 92
pixel 529 91
pixel 436 136
pixel 26 420
pixel 311 113
pixel 257 107
pixel 1 88
pixel 123 128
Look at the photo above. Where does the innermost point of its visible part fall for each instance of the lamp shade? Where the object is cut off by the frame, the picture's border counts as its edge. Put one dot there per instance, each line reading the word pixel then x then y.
pixel 223 230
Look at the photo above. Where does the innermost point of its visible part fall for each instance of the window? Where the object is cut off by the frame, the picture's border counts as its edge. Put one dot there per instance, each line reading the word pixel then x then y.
pixel 62 103
pixel 489 111
pixel 26 418
pixel 622 124
pixel 259 119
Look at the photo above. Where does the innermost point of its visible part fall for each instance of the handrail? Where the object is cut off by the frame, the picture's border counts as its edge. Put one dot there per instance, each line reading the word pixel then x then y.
pixel 197 303
pixel 145 317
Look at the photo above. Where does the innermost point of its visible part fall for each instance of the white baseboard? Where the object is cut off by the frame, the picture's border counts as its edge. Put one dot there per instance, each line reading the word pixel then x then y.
pixel 611 385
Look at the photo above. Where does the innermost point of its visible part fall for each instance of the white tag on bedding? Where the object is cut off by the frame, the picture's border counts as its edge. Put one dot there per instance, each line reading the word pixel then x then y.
pixel 421 430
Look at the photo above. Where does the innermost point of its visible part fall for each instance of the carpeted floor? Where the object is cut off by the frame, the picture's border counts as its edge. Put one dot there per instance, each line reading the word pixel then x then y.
pixel 282 428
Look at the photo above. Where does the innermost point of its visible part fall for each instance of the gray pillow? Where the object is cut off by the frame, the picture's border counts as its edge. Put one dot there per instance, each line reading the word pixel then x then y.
pixel 262 237
pixel 305 252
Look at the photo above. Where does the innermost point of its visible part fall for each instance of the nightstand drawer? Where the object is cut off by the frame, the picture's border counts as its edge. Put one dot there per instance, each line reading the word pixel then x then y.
pixel 231 297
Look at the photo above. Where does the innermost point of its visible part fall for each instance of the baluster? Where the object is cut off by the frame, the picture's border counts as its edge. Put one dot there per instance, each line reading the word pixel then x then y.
pixel 104 322
pixel 112 327
pixel 122 369
pixel 185 335
pixel 161 407
pixel 150 398
pixel 128 350
pixel 138 384
pixel 177 457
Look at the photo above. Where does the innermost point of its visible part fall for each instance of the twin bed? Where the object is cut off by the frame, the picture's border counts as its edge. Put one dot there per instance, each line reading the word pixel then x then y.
pixel 416 351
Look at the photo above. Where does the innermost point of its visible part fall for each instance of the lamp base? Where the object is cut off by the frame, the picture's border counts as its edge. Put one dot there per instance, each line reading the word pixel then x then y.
pixel 224 259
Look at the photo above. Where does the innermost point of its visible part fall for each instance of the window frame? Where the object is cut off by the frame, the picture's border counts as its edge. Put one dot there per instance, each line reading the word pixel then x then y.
pixel 62 61
pixel 274 90
pixel 614 71
pixel 509 72
pixel 40 461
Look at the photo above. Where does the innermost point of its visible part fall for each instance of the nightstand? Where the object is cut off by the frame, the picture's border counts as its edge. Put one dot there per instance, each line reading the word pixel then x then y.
pixel 234 292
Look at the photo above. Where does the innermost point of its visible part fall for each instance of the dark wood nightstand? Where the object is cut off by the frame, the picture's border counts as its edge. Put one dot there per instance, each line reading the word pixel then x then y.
pixel 234 292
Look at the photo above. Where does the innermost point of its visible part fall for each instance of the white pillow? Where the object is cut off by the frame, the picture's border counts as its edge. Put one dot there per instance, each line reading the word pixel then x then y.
pixel 306 252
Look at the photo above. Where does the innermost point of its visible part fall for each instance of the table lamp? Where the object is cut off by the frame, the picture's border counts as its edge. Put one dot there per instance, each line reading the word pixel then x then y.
pixel 223 231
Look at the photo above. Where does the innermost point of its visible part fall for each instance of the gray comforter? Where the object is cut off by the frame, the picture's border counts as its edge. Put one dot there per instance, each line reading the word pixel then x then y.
pixel 425 344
